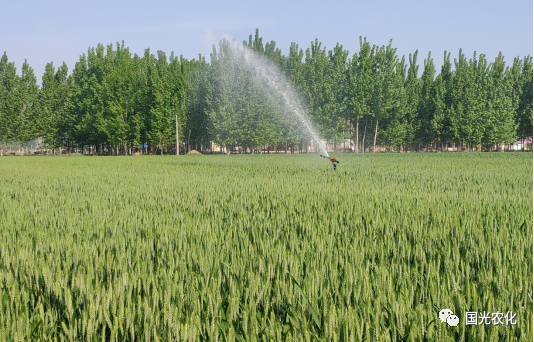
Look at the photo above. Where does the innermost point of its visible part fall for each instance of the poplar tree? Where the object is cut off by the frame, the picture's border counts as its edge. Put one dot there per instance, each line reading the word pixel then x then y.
pixel 162 101
pixel 8 100
pixel 393 128
pixel 295 71
pixel 468 99
pixel 55 122
pixel 442 103
pixel 262 108
pixel 387 87
pixel 220 105
pixel 412 94
pixel 336 85
pixel 26 106
pixel 195 120
pixel 119 85
pixel 360 86
pixel 318 94
pixel 500 125
pixel 85 99
pixel 524 109
pixel 425 105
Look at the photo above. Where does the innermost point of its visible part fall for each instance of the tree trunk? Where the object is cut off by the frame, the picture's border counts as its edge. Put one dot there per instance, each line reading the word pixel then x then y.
pixel 177 143
pixel 363 139
pixel 356 147
pixel 376 132
pixel 344 140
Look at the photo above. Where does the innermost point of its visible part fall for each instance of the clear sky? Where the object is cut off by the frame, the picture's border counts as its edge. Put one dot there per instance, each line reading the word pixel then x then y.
pixel 57 31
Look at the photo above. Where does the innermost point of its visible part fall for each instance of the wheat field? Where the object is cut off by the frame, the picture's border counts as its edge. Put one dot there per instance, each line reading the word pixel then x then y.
pixel 265 247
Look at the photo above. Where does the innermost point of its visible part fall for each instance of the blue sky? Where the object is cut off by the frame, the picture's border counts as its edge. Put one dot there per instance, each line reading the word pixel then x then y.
pixel 57 31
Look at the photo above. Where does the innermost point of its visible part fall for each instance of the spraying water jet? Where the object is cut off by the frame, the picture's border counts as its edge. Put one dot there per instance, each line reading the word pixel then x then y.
pixel 265 74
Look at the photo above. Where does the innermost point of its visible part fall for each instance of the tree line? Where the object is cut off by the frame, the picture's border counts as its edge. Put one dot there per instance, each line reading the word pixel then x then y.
pixel 114 102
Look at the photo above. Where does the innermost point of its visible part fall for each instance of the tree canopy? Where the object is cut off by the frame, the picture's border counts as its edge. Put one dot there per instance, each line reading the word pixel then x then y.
pixel 115 102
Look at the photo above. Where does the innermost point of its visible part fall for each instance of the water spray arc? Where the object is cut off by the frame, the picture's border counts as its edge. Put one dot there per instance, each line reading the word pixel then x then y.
pixel 266 74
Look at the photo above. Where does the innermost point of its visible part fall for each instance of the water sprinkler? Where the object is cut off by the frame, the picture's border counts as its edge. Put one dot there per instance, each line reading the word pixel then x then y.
pixel 334 161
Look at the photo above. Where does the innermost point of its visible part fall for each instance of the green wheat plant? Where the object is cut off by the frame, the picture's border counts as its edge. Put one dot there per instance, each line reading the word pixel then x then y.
pixel 264 248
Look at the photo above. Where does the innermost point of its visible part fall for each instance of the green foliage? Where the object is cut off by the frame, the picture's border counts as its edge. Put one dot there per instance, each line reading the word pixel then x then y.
pixel 524 111
pixel 114 101
pixel 426 108
pixel 166 98
pixel 318 94
pixel 19 103
pixel 8 99
pixel 468 98
pixel 360 85
pixel 197 124
pixel 244 109
pixel 27 105
pixel 500 122
pixel 253 248
pixel 123 101
pixel 387 94
pixel 55 119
